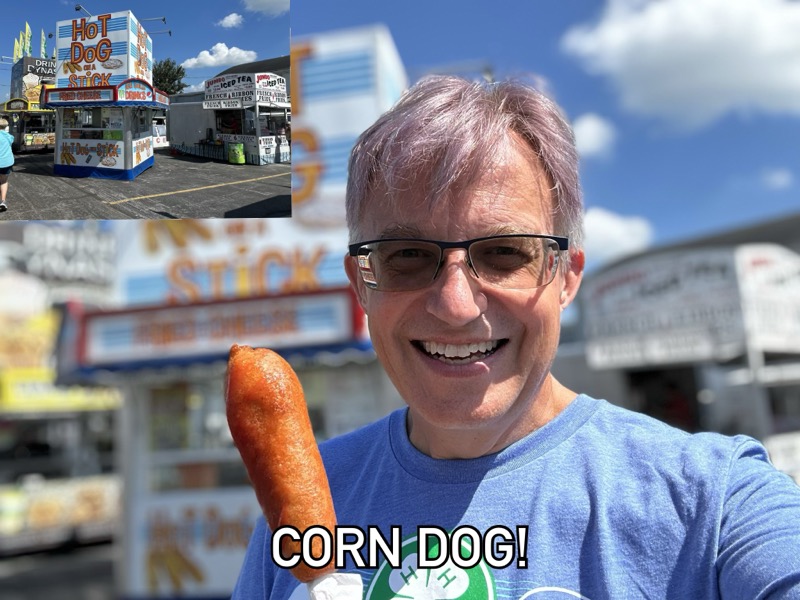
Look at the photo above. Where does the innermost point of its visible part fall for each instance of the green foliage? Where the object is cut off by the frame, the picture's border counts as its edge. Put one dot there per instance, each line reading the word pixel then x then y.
pixel 168 76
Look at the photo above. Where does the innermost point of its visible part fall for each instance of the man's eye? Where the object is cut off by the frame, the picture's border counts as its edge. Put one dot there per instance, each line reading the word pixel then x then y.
pixel 408 256
pixel 411 253
pixel 506 256
pixel 505 251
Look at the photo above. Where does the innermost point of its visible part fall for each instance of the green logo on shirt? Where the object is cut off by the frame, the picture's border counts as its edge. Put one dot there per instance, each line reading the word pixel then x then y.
pixel 446 582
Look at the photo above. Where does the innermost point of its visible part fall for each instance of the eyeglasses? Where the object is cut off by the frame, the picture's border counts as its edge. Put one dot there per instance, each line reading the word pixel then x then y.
pixel 524 261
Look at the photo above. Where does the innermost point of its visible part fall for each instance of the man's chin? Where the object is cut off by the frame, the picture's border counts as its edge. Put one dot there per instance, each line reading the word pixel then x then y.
pixel 454 416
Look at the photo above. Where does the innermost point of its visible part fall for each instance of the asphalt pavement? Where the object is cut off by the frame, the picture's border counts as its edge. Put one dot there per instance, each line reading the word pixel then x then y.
pixel 82 573
pixel 176 187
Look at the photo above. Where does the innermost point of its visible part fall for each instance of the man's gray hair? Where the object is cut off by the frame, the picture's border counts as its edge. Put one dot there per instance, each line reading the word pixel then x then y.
pixel 446 132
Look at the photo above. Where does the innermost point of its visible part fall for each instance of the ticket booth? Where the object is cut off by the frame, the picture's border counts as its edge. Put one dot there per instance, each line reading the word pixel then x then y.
pixel 104 97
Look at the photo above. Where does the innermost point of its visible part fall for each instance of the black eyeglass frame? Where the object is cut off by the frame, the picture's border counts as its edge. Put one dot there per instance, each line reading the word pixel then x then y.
pixel 359 249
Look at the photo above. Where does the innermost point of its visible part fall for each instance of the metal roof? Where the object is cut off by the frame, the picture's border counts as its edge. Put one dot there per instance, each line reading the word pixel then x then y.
pixel 268 65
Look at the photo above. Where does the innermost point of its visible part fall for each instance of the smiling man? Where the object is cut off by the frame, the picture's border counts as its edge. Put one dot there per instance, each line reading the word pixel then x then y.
pixel 464 211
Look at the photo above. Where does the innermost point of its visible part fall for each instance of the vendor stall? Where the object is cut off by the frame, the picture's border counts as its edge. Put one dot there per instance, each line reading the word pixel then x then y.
pixel 104 97
pixel 58 479
pixel 33 127
pixel 251 109
pixel 188 291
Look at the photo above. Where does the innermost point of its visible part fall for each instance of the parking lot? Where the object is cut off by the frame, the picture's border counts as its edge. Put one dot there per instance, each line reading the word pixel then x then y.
pixel 176 187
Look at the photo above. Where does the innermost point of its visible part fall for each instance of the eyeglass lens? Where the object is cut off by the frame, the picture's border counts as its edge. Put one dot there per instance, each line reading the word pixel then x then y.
pixel 509 262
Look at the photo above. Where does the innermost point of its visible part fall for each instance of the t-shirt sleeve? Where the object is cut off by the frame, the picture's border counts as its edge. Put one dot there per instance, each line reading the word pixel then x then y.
pixel 759 545
pixel 252 583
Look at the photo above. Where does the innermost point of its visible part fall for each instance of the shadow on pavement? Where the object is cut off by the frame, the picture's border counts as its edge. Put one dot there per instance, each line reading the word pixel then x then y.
pixel 274 207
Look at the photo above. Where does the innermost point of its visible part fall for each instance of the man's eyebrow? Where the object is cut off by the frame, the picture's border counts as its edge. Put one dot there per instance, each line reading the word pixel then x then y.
pixel 507 230
pixel 413 232
pixel 514 229
pixel 401 231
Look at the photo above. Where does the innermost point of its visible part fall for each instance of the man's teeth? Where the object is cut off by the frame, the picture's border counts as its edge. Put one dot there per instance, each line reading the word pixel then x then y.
pixel 458 350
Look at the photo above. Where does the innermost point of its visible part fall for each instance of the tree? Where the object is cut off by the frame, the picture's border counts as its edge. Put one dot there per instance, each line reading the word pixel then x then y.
pixel 168 76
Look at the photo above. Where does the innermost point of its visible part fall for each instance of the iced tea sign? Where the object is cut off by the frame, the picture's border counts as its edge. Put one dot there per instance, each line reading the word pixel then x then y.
pixel 246 88
pixel 103 50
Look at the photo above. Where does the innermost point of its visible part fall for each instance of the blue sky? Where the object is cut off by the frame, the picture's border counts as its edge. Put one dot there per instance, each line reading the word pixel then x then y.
pixel 207 37
pixel 686 112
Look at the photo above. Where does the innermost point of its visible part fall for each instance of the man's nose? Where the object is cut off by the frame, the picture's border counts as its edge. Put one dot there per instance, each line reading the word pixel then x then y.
pixel 455 296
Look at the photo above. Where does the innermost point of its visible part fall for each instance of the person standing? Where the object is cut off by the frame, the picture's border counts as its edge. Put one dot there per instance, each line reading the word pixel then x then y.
pixel 464 251
pixel 6 161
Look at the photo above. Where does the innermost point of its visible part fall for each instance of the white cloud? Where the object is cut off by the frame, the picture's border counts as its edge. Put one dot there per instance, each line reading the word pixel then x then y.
pixel 594 135
pixel 197 87
pixel 609 236
pixel 693 61
pixel 232 20
pixel 219 56
pixel 271 8
pixel 777 179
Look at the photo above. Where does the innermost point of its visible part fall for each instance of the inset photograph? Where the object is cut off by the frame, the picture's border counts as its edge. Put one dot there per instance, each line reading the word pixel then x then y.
pixel 152 111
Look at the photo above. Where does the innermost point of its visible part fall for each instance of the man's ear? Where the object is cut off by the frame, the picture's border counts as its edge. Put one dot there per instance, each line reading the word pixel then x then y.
pixel 356 282
pixel 571 280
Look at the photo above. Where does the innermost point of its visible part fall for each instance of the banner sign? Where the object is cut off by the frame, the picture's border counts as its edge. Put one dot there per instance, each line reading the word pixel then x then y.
pixel 135 91
pixel 16 105
pixel 687 306
pixel 94 95
pixel 189 543
pixel 247 88
pixel 28 75
pixel 210 329
pixel 677 307
pixel 223 104
pixel 103 50
pixel 187 261
pixel 769 277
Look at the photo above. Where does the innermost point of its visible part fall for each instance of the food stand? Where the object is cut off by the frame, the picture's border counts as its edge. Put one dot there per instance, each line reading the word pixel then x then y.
pixel 705 341
pixel 58 479
pixel 251 109
pixel 32 126
pixel 104 97
pixel 188 290
pixel 58 483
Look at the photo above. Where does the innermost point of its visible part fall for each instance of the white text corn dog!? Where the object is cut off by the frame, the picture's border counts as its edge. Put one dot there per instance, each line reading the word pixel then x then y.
pixel 270 426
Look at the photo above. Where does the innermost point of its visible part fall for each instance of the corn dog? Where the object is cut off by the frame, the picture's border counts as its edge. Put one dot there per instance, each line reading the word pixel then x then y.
pixel 269 422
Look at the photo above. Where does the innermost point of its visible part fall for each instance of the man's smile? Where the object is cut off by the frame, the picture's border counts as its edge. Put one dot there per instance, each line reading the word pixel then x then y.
pixel 459 354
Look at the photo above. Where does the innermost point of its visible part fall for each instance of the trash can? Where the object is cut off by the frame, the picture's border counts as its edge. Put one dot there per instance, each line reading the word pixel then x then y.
pixel 236 153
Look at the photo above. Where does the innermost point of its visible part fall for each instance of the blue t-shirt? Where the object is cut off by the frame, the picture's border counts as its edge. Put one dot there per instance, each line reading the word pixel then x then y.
pixel 6 154
pixel 617 505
